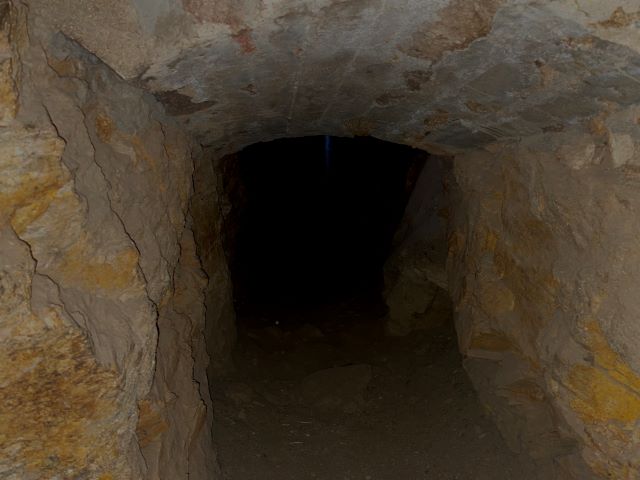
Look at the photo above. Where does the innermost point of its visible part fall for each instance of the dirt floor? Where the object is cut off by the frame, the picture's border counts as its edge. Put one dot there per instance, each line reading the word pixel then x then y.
pixel 322 393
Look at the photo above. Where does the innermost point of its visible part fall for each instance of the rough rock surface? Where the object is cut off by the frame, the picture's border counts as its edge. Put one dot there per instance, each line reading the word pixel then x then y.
pixel 415 274
pixel 457 74
pixel 541 272
pixel 543 277
pixel 94 194
pixel 207 205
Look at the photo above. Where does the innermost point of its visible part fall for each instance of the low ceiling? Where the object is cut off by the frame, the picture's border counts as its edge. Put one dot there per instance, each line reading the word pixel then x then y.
pixel 435 74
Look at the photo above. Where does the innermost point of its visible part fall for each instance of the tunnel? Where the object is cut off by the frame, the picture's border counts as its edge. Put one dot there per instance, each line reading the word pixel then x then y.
pixel 312 219
pixel 339 353
pixel 319 239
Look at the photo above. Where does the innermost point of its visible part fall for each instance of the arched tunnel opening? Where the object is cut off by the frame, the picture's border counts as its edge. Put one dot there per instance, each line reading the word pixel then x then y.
pixel 313 218
pixel 339 354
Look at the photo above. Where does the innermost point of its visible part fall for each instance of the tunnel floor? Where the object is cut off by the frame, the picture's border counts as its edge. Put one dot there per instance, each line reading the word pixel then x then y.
pixel 322 393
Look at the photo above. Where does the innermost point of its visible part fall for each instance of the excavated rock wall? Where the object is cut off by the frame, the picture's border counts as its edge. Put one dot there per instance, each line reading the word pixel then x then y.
pixel 208 208
pixel 542 271
pixel 543 274
pixel 101 291
pixel 415 275
pixel 440 74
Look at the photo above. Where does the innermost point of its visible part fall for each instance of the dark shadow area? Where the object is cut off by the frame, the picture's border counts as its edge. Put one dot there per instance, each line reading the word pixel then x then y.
pixel 322 388
pixel 315 217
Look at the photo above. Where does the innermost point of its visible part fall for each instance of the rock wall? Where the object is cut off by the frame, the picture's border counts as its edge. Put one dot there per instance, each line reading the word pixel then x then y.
pixel 96 257
pixel 174 428
pixel 415 274
pixel 208 208
pixel 453 74
pixel 544 276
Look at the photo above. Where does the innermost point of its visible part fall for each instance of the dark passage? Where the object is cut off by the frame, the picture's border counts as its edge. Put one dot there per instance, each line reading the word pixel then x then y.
pixel 317 216
pixel 320 389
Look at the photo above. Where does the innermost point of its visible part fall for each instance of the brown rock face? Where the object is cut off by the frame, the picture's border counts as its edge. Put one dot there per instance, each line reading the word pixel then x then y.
pixel 460 23
pixel 415 274
pixel 56 404
pixel 87 276
pixel 540 324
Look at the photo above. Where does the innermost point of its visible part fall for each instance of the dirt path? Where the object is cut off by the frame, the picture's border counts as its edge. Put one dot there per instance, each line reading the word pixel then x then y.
pixel 335 399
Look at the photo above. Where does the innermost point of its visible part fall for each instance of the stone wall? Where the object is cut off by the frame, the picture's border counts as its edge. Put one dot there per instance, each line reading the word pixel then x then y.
pixel 544 275
pixel 208 208
pixel 95 257
pixel 453 74
pixel 174 428
pixel 415 274
pixel 542 271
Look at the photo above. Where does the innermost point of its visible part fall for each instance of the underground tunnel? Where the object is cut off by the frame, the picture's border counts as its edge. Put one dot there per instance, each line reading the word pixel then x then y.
pixel 312 219
pixel 328 363
pixel 176 302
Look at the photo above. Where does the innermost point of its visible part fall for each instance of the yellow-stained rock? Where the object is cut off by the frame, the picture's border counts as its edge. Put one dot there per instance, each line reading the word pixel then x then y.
pixel 8 93
pixel 491 341
pixel 607 390
pixel 55 403
pixel 84 267
pixel 33 174
pixel 599 398
pixel 151 424
pixel 104 127
pixel 496 298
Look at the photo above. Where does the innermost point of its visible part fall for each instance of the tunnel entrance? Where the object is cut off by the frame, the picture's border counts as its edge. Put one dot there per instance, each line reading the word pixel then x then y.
pixel 313 218
pixel 343 368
